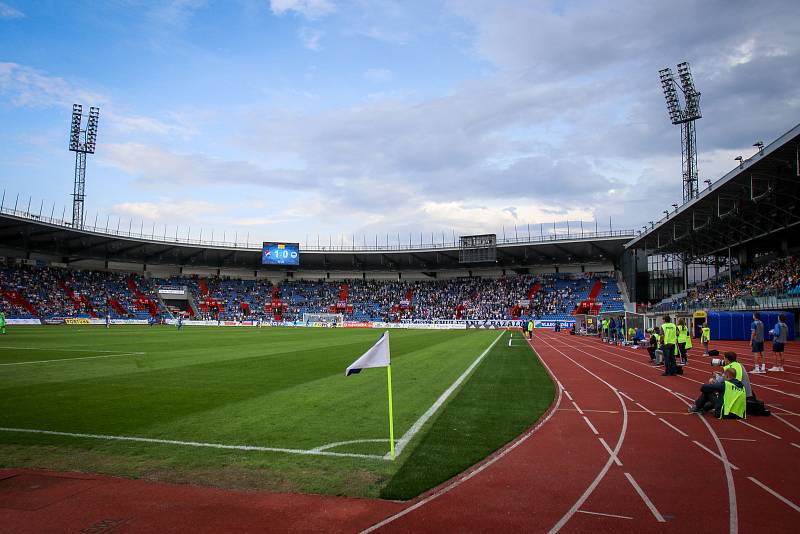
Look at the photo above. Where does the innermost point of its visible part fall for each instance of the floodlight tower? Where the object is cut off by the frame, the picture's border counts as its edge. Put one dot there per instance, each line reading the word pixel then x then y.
pixel 685 117
pixel 81 142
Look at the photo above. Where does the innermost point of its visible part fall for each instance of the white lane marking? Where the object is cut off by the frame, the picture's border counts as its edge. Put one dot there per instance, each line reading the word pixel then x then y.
pixel 305 452
pixel 733 516
pixel 610 452
pixel 591 426
pixel 760 429
pixel 466 476
pixel 567 394
pixel 582 499
pixel 605 515
pixel 738 439
pixel 646 500
pixel 795 445
pixel 673 427
pixel 781 419
pixel 73 359
pixel 401 443
pixel 715 455
pixel 577 407
pixel 626 396
pixel 775 494
pixel 645 409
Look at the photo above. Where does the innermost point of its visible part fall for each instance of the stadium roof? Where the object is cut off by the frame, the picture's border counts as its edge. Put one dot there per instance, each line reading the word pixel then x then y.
pixel 24 233
pixel 756 199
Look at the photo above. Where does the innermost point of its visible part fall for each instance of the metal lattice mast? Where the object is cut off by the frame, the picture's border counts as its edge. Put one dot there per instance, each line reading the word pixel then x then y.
pixel 685 117
pixel 81 142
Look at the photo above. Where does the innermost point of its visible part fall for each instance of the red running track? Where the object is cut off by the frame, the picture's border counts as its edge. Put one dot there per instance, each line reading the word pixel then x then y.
pixel 617 452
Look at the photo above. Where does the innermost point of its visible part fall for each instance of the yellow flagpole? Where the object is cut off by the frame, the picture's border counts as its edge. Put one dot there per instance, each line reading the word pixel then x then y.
pixel 391 415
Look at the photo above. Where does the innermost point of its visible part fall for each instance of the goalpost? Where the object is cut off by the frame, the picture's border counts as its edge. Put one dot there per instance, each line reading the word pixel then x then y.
pixel 324 320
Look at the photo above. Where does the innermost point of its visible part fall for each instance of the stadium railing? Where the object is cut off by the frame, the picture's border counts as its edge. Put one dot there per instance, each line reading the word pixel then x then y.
pixel 167 236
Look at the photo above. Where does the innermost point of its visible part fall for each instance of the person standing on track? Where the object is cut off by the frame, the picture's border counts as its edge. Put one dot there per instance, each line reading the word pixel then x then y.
pixel 779 334
pixel 684 341
pixel 670 334
pixel 757 343
pixel 705 337
pixel 530 328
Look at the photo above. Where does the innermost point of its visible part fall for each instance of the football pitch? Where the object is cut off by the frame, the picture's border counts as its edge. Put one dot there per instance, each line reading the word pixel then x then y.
pixel 265 408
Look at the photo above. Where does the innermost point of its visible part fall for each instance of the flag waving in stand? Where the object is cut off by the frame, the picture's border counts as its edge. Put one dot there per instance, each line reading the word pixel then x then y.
pixel 378 356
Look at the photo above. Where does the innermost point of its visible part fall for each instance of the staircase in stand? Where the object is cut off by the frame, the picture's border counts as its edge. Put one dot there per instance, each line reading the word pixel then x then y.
pixel 16 299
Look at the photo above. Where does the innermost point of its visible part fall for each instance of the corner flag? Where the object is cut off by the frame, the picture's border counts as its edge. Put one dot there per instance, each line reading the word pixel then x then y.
pixel 378 356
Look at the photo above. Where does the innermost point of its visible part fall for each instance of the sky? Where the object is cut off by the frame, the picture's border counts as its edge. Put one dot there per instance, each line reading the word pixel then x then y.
pixel 345 121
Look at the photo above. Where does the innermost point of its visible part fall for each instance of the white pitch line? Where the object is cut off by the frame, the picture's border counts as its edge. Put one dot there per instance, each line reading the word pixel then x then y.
pixel 6 347
pixel 340 443
pixel 760 430
pixel 645 498
pixel 775 494
pixel 401 443
pixel 605 515
pixel 673 427
pixel 73 359
pixel 715 455
pixel 458 481
pixel 305 452
pixel 591 426
pixel 610 452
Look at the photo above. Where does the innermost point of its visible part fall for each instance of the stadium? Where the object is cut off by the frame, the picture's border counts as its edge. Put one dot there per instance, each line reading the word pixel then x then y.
pixel 529 378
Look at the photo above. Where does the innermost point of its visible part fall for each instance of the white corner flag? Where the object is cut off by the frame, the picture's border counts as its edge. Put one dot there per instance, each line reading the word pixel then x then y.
pixel 378 356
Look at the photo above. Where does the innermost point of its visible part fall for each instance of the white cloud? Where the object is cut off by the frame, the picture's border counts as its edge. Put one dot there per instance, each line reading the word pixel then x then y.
pixel 169 210
pixel 9 12
pixel 307 8
pixel 155 165
pixel 310 38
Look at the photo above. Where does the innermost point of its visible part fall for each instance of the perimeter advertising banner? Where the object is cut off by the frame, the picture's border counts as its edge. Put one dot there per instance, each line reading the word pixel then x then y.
pixel 280 253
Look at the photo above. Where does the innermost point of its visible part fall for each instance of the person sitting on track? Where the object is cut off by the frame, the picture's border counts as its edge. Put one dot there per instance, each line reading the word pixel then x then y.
pixel 727 395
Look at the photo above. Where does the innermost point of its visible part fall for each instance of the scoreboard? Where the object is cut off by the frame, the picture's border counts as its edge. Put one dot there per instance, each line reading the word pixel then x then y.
pixel 477 248
pixel 280 254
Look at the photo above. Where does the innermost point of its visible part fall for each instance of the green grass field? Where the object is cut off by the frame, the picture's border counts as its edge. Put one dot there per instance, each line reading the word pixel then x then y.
pixel 281 388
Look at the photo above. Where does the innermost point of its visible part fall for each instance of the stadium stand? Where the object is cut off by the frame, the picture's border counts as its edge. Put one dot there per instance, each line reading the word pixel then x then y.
pixel 48 292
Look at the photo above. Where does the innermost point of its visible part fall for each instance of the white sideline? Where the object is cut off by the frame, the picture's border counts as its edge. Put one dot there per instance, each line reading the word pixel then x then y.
pixel 73 359
pixel 307 452
pixel 419 423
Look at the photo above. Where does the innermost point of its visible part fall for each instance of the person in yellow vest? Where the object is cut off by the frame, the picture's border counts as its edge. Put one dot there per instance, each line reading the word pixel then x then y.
pixel 684 341
pixel 530 329
pixel 605 329
pixel 731 398
pixel 670 339
pixel 705 337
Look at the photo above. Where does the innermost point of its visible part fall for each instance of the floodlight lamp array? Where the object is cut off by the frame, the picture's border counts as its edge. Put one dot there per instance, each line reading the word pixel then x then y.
pixel 671 95
pixel 75 128
pixel 91 129
pixel 690 93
